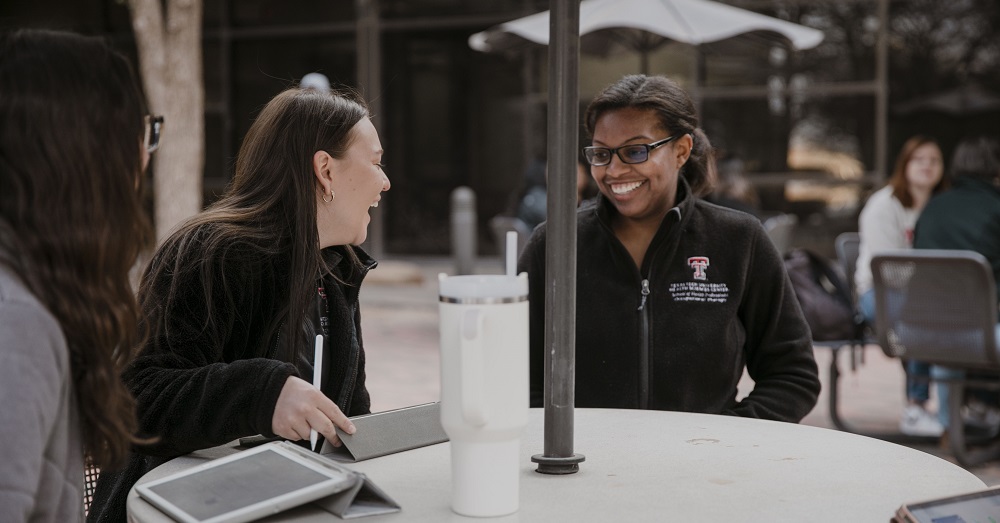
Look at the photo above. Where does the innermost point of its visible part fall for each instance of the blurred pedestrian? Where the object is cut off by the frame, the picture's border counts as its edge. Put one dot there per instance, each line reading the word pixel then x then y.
pixel 733 189
pixel 967 217
pixel 886 223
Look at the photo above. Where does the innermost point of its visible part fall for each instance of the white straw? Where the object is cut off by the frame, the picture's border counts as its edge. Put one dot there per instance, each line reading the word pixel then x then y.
pixel 511 253
pixel 317 382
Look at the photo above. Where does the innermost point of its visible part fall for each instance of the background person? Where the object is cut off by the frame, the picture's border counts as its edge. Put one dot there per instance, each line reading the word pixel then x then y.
pixel 886 223
pixel 733 189
pixel 72 152
pixel 234 299
pixel 675 296
pixel 967 217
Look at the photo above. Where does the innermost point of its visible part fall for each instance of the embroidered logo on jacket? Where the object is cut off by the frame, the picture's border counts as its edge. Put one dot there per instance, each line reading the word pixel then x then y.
pixel 699 290
pixel 699 264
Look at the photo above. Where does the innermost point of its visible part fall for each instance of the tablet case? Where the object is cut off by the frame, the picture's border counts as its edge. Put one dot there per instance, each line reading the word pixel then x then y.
pixel 389 432
pixel 363 498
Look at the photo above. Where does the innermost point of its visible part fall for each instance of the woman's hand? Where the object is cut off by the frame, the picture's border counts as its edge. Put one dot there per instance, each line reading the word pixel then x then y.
pixel 302 407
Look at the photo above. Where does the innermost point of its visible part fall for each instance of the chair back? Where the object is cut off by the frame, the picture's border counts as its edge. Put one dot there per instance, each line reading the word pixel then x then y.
pixel 848 245
pixel 938 306
pixel 780 228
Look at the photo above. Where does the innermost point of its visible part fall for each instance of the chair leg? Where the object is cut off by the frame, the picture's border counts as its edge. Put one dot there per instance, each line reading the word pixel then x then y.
pixel 965 451
pixel 833 402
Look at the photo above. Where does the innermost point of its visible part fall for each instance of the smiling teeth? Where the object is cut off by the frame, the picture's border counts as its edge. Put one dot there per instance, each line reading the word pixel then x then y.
pixel 374 204
pixel 622 188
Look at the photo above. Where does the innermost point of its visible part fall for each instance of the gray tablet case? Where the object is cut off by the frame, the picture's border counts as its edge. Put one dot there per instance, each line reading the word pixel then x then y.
pixel 363 498
pixel 389 432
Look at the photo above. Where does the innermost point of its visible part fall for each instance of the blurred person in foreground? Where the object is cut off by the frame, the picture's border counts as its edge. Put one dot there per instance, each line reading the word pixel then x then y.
pixel 886 223
pixel 235 298
pixel 74 142
pixel 967 217
pixel 675 296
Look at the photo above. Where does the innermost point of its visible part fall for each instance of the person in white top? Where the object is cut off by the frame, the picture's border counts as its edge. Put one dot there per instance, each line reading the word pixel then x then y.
pixel 886 223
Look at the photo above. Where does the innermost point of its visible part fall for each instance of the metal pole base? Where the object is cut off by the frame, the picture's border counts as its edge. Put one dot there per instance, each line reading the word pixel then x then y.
pixel 558 465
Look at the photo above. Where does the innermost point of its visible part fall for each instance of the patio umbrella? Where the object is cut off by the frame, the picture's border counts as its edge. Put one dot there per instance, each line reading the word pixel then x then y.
pixel 643 25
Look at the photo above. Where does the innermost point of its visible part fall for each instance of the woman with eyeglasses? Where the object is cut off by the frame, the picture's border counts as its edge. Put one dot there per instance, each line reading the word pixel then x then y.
pixel 72 223
pixel 235 298
pixel 675 296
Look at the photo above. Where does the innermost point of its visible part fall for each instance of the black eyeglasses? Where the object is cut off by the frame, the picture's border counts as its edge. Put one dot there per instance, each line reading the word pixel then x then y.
pixel 151 140
pixel 632 153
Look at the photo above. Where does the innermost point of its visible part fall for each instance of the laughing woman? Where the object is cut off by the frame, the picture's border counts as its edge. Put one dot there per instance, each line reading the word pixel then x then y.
pixel 675 296
pixel 234 298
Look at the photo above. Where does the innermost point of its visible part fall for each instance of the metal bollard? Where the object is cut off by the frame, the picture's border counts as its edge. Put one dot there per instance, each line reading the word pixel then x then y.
pixel 463 229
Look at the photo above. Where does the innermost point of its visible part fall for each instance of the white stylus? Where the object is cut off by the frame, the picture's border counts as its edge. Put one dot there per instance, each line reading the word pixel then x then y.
pixel 317 382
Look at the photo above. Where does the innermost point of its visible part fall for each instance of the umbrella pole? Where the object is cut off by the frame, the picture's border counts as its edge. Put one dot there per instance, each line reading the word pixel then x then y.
pixel 560 249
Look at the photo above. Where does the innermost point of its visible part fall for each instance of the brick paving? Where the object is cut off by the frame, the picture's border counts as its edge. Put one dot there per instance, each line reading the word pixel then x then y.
pixel 400 329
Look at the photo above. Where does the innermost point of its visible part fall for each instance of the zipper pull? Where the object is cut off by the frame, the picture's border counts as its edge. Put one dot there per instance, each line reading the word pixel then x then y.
pixel 645 292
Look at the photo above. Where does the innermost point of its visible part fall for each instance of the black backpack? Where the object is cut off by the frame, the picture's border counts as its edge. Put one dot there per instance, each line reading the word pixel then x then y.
pixel 824 296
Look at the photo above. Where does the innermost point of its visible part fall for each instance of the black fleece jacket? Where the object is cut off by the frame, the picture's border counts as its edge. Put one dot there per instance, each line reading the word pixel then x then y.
pixel 198 387
pixel 711 298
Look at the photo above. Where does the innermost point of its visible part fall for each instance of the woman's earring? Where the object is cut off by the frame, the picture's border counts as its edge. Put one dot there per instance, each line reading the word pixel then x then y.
pixel 332 196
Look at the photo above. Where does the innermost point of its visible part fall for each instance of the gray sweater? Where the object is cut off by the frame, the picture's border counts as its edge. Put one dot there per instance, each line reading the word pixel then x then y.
pixel 41 457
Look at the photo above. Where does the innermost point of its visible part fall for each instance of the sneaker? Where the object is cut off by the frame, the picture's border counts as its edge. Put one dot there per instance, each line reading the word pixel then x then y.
pixel 918 422
pixel 979 415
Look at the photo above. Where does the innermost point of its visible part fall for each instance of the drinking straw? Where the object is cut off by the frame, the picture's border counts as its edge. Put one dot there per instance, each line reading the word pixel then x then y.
pixel 511 253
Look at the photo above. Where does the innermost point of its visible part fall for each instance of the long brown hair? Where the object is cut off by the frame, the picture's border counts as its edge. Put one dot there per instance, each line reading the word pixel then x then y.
pixel 675 111
pixel 269 210
pixel 900 185
pixel 71 217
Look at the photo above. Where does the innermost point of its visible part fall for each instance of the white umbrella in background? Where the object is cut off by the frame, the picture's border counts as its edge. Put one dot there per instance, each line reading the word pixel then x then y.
pixel 643 25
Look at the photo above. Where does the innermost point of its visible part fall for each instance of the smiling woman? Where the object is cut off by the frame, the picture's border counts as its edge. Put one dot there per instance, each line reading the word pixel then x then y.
pixel 675 296
pixel 235 297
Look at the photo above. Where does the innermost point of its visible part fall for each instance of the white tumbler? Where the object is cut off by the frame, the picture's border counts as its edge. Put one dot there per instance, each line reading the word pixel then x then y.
pixel 484 388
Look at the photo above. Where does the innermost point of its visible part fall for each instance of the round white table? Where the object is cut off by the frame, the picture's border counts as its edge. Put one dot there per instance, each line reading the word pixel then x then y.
pixel 665 466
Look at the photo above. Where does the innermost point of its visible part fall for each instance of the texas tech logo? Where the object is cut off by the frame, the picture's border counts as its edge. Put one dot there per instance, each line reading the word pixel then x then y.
pixel 699 264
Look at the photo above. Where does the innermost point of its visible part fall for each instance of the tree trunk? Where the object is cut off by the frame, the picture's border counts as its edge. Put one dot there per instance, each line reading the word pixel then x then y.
pixel 170 61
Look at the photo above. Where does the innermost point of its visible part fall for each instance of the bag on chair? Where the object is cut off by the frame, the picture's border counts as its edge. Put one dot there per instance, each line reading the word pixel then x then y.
pixel 823 295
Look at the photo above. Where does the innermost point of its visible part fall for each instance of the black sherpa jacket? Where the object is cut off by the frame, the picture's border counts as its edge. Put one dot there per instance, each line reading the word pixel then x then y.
pixel 711 298
pixel 197 389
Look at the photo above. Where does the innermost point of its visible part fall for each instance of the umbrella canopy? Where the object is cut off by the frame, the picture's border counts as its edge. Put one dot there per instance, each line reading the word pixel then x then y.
pixel 645 24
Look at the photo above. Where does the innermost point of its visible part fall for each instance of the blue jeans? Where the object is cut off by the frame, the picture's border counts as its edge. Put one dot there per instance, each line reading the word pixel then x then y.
pixel 941 373
pixel 918 373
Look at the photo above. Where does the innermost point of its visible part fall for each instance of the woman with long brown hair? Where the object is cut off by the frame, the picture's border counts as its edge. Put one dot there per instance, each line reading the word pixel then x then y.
pixel 235 298
pixel 71 225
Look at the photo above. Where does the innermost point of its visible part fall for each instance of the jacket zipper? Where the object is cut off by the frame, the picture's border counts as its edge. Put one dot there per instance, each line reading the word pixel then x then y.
pixel 644 347
pixel 277 340
pixel 355 352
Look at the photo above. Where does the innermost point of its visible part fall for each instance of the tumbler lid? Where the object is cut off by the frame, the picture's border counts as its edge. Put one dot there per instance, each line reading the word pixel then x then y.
pixel 483 288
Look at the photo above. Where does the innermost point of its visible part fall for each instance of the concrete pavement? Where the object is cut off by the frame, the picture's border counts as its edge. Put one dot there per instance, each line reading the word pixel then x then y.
pixel 400 329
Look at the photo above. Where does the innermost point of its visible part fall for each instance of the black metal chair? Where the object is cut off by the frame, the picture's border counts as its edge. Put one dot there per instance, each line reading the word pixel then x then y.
pixel 940 306
pixel 847 247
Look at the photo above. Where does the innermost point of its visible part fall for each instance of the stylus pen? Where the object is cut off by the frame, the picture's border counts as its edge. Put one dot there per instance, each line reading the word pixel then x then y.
pixel 317 382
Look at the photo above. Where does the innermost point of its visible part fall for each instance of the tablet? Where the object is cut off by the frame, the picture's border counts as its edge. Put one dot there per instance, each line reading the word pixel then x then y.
pixel 247 485
pixel 976 506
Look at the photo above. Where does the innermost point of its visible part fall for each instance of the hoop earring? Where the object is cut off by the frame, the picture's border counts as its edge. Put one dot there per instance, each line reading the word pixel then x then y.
pixel 332 196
